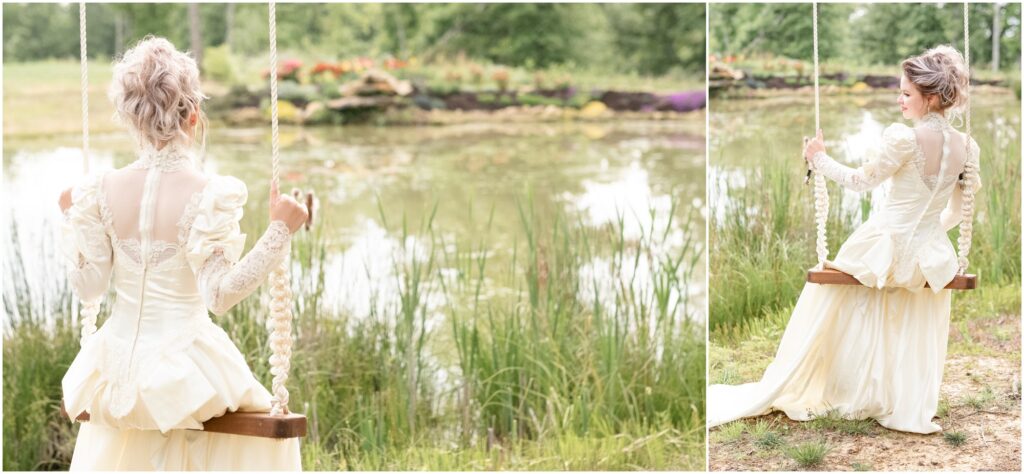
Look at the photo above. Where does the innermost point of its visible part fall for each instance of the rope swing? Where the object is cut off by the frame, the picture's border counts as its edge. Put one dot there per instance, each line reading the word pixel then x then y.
pixel 820 191
pixel 280 322
pixel 968 180
pixel 89 310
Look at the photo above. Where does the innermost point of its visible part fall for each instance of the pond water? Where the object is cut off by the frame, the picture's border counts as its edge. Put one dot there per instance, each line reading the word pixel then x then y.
pixel 592 172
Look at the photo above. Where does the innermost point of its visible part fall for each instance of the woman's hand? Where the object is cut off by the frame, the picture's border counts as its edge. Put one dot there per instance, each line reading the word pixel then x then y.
pixel 65 200
pixel 286 209
pixel 813 145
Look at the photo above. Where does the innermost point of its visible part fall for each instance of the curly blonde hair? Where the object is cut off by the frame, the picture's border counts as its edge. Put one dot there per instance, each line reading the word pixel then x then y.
pixel 942 72
pixel 155 91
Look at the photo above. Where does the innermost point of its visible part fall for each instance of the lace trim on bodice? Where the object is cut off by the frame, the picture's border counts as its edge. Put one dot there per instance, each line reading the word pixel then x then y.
pixel 938 123
pixel 161 251
pixel 170 158
pixel 935 121
pixel 919 163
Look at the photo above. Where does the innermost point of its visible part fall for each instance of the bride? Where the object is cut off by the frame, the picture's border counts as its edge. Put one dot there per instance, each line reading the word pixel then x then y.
pixel 877 350
pixel 169 237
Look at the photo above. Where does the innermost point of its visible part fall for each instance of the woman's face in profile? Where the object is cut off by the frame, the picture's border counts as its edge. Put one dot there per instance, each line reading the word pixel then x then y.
pixel 911 102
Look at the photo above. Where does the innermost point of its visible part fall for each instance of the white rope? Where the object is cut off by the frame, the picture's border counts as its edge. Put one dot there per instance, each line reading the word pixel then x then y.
pixel 280 321
pixel 970 167
pixel 817 90
pixel 88 310
pixel 85 86
pixel 820 191
pixel 275 157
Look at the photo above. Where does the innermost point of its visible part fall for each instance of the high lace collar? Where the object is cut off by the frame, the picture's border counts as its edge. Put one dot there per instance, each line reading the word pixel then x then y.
pixel 172 157
pixel 934 121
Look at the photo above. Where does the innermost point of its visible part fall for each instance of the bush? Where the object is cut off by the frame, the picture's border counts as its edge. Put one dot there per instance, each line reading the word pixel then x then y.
pixel 299 94
pixel 217 65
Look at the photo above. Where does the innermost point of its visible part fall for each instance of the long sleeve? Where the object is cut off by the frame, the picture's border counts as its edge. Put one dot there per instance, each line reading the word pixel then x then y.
pixel 215 245
pixel 953 213
pixel 86 244
pixel 224 283
pixel 897 148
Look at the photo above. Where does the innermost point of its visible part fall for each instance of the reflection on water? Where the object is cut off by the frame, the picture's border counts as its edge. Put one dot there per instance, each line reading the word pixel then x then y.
pixel 595 171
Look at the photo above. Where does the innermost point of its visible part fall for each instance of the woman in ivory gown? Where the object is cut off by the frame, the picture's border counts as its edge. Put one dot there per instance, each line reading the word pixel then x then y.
pixel 169 237
pixel 877 351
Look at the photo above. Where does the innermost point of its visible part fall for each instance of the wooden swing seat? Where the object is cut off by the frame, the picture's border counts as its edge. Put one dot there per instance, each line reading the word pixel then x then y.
pixel 831 276
pixel 259 424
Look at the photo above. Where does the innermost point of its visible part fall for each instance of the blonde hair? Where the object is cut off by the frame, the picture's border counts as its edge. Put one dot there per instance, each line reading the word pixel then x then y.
pixel 155 91
pixel 941 72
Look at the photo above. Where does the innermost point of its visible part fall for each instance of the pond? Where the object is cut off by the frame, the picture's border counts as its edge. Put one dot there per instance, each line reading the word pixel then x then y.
pixel 590 172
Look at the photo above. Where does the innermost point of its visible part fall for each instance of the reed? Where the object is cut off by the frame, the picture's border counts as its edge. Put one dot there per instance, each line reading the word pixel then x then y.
pixel 541 359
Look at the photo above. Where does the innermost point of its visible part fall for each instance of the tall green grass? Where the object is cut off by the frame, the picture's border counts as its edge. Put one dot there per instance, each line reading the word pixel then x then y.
pixel 539 375
pixel 763 243
pixel 40 341
pixel 546 362
pixel 762 236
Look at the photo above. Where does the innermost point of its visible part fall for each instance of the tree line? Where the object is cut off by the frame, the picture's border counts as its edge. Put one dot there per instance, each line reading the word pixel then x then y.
pixel 651 39
pixel 868 34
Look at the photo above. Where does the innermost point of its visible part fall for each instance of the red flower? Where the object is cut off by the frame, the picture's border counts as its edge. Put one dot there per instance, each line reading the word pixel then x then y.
pixel 393 63
pixel 321 68
pixel 289 69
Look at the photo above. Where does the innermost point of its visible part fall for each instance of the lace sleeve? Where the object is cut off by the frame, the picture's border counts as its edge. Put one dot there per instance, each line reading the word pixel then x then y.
pixel 216 241
pixel 975 158
pixel 85 243
pixel 223 283
pixel 897 147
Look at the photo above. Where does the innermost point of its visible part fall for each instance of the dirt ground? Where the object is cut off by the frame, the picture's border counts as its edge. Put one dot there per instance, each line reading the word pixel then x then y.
pixel 979 411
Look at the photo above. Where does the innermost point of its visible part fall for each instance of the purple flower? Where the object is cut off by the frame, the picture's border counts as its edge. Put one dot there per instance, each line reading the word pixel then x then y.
pixel 683 101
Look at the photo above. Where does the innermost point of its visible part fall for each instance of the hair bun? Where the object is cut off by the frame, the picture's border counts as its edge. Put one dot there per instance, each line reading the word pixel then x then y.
pixel 940 71
pixel 155 90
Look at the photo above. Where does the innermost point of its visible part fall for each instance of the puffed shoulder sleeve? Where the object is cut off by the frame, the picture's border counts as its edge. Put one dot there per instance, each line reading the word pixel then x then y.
pixel 216 242
pixel 896 148
pixel 85 243
pixel 216 226
pixel 898 143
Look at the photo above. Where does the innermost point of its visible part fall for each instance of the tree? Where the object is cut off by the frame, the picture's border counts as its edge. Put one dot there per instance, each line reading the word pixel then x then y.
pixel 867 34
pixel 524 34
pixel 996 32
pixel 778 29
pixel 889 33
pixel 654 38
pixel 922 26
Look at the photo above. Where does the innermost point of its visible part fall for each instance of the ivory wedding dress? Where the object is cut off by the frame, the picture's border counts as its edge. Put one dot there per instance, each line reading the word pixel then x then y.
pixel 159 367
pixel 874 351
